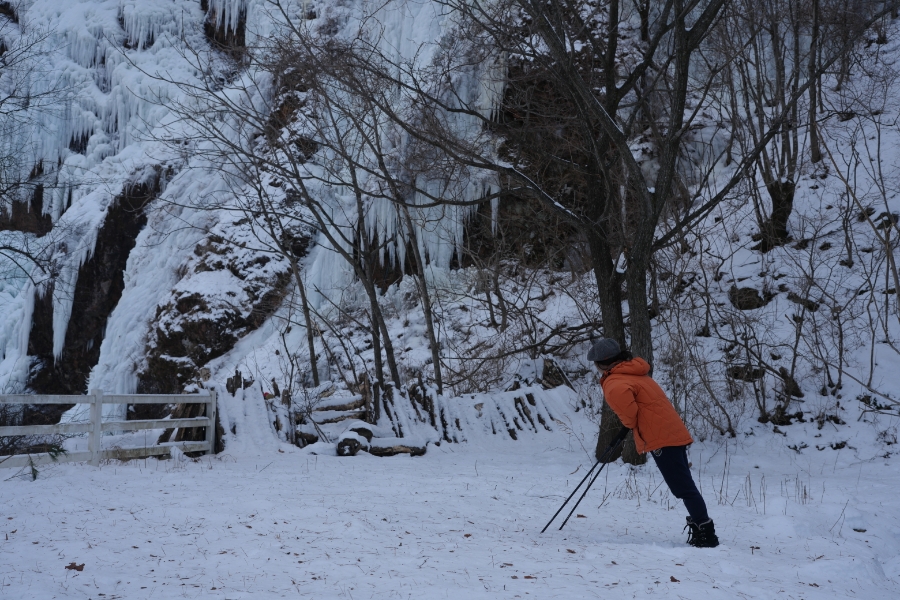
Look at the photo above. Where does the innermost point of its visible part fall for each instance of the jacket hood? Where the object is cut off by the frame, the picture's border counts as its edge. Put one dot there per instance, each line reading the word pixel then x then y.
pixel 635 366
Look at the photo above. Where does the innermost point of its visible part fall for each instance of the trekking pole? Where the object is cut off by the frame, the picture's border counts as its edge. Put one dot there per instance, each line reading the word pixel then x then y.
pixel 618 440
pixel 571 512
pixel 591 470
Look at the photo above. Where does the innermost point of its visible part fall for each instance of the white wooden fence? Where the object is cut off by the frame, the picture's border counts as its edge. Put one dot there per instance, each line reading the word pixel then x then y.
pixel 97 426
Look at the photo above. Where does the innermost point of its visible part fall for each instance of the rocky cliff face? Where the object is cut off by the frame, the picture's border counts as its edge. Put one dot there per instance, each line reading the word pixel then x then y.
pixel 59 329
pixel 27 217
pixel 228 290
pixel 96 293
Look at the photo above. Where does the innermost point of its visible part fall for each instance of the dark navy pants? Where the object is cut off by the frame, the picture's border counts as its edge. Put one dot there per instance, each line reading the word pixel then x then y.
pixel 673 464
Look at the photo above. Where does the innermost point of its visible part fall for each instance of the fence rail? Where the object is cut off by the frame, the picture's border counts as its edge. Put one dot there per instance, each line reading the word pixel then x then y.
pixel 96 426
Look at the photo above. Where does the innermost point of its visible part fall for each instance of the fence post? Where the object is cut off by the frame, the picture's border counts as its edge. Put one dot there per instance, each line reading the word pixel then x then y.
pixel 96 427
pixel 211 428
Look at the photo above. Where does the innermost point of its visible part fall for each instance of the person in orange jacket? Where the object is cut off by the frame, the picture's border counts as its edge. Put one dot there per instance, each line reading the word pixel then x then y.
pixel 644 408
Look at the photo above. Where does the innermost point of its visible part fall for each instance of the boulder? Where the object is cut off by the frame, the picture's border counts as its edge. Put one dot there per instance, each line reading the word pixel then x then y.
pixel 748 298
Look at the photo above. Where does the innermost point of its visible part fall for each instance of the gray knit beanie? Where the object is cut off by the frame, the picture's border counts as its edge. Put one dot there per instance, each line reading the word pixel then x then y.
pixel 604 350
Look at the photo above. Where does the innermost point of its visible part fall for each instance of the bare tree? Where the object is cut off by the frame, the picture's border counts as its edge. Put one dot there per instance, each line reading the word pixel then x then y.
pixel 521 100
pixel 779 61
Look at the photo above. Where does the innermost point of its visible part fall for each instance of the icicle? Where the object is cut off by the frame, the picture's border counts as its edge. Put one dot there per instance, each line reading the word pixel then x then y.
pixel 65 281
pixel 15 329
pixel 146 21
pixel 100 125
pixel 228 13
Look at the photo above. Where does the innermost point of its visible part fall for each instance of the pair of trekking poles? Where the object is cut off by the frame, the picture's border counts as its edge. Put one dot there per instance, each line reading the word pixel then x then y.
pixel 620 437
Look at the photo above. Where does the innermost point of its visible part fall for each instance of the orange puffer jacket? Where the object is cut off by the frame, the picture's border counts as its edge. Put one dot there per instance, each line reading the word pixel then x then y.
pixel 643 407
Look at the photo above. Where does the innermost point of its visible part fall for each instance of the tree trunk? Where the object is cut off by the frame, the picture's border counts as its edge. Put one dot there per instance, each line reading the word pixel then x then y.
pixel 639 310
pixel 609 287
pixel 636 279
pixel 610 425
pixel 609 292
pixel 379 325
pixel 389 350
pixel 774 231
pixel 426 303
pixel 815 150
pixel 379 365
pixel 367 274
pixel 276 229
pixel 310 333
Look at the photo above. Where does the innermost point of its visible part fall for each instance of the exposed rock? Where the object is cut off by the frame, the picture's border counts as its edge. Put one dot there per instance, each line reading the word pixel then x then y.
pixel 748 298
pixel 228 291
pixel 791 387
pixel 780 416
pixel 97 291
pixel 304 439
pixel 808 304
pixel 8 10
pixel 865 214
pixel 229 39
pixel 190 434
pixel 139 412
pixel 552 376
pixel 421 396
pixel 745 372
pixel 27 217
pixel 826 418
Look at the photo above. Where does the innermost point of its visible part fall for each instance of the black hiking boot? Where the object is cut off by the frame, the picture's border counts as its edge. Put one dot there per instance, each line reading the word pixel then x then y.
pixel 702 535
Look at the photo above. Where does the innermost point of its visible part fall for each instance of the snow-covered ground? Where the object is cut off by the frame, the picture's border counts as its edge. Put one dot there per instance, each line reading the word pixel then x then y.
pixel 463 521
